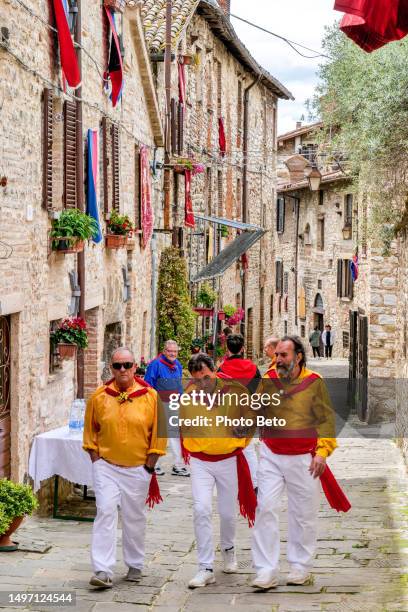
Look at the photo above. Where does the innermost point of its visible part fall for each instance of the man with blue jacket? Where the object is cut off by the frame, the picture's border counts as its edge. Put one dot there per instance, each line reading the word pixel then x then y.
pixel 164 374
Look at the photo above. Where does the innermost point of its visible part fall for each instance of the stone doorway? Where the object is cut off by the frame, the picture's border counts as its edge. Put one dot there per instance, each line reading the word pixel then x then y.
pixel 112 340
pixel 5 417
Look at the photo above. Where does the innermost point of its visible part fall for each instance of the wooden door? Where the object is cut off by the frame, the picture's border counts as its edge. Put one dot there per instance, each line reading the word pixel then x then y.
pixel 362 388
pixel 5 421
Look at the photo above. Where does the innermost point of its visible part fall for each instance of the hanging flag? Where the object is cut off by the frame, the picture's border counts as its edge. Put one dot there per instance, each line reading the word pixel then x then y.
pixel 68 56
pixel 353 265
pixel 373 23
pixel 147 215
pixel 221 137
pixel 115 66
pixel 92 207
pixel 182 83
pixel 189 220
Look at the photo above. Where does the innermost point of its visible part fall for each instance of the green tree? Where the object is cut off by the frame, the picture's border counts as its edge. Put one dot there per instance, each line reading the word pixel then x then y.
pixel 176 320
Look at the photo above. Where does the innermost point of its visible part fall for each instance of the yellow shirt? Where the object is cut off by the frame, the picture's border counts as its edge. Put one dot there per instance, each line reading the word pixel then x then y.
pixel 310 408
pixel 272 366
pixel 213 439
pixel 126 433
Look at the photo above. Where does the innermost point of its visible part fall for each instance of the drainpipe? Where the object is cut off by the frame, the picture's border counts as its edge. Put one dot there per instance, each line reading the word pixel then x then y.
pixel 80 201
pixel 167 139
pixel 245 183
pixel 153 317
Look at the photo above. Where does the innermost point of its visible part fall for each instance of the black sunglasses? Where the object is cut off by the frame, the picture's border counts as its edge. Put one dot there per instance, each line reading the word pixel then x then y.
pixel 127 365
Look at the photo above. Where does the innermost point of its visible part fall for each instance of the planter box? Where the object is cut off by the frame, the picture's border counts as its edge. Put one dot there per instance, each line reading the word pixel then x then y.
pixel 68 245
pixel 115 241
pixel 178 169
pixel 67 351
pixel 221 315
pixel 204 312
pixel 116 5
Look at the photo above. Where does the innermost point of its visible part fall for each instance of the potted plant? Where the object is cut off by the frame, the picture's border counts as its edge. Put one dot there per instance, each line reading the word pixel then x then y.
pixel 206 298
pixel 229 310
pixel 224 231
pixel 198 168
pixel 16 501
pixel 119 227
pixel 70 230
pixel 236 318
pixel 70 335
pixel 183 164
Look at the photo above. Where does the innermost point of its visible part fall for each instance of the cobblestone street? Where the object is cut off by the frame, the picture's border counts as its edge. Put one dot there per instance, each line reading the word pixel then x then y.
pixel 361 564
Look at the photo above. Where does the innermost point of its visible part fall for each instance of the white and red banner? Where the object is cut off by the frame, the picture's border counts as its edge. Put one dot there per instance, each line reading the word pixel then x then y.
pixel 147 213
pixel 189 220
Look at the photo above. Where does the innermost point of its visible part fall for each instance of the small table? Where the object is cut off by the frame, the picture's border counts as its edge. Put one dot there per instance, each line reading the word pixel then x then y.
pixel 59 453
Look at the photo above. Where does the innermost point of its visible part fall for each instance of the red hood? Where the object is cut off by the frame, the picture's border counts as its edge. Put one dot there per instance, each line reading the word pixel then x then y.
pixel 240 369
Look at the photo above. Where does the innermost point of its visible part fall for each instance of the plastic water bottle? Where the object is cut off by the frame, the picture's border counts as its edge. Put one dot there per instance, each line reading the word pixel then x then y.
pixel 76 417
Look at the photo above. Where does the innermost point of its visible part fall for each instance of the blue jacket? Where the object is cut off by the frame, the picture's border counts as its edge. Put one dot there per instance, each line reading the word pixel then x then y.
pixel 162 377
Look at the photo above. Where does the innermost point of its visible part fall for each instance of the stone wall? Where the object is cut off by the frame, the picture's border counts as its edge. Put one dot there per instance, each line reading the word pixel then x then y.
pixel 34 283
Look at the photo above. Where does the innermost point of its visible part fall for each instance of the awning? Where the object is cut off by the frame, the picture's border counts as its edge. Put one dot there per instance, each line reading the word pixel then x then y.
pixel 249 236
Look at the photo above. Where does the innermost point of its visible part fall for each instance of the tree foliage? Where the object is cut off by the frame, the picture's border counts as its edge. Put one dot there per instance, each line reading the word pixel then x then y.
pixel 363 100
pixel 176 320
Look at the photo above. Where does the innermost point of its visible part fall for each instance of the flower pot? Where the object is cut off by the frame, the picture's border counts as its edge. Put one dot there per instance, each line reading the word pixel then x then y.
pixel 116 5
pixel 5 539
pixel 204 312
pixel 178 169
pixel 68 245
pixel 67 351
pixel 221 315
pixel 115 241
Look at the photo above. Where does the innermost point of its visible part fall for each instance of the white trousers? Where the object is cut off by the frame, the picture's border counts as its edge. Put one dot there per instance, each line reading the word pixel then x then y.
pixel 204 476
pixel 128 488
pixel 276 471
pixel 252 458
pixel 176 451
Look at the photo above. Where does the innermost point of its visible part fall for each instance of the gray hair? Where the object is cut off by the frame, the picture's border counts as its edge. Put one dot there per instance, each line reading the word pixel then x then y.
pixel 168 342
pixel 122 349
pixel 272 340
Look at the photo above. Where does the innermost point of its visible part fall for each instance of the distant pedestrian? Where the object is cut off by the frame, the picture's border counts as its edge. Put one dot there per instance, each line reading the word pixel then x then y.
pixel 269 350
pixel 314 340
pixel 164 374
pixel 328 341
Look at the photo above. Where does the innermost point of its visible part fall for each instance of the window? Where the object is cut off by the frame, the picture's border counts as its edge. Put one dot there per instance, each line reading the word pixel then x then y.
pixel 110 161
pixel 279 277
pixel 348 210
pixel 285 327
pixel 306 235
pixel 320 233
pixel 302 331
pixel 344 279
pixel 280 215
pixel 346 340
pixel 319 284
pixel 286 283
pixel 321 197
pixel 48 117
pixel 70 157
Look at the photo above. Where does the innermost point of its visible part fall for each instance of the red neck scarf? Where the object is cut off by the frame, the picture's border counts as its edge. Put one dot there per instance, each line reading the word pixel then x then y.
pixel 169 364
pixel 124 396
pixel 304 384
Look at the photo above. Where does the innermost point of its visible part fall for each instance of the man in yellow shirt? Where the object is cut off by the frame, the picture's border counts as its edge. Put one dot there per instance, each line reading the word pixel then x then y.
pixel 124 434
pixel 214 438
pixel 269 350
pixel 295 457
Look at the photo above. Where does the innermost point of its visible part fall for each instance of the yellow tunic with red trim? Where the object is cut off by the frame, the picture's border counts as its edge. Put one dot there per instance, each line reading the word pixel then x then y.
pixel 212 439
pixel 272 366
pixel 310 408
pixel 125 433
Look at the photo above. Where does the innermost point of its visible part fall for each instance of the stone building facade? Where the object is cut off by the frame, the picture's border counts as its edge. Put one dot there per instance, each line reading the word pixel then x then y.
pixel 224 83
pixel 38 287
pixel 316 235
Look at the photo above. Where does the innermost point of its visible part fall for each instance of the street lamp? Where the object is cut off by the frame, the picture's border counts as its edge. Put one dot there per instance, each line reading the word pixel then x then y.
pixel 314 178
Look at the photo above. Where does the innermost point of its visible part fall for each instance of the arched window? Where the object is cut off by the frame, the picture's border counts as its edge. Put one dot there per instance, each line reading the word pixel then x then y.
pixel 318 301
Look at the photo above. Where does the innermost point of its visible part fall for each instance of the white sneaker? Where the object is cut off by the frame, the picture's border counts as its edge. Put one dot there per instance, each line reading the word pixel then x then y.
pixel 297 577
pixel 230 561
pixel 265 579
pixel 175 471
pixel 202 578
pixel 159 470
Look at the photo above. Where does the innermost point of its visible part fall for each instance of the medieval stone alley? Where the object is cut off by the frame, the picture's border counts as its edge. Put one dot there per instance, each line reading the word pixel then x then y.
pixel 361 563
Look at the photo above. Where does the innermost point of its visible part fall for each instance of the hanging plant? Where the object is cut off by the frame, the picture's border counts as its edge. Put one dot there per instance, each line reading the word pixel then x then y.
pixel 206 296
pixel 236 318
pixel 229 310
pixel 70 230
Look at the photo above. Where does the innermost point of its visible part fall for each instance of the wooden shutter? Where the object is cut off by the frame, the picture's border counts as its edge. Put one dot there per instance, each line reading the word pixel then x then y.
pixel 173 125
pixel 105 164
pixel 137 189
pixel 70 146
pixel 280 215
pixel 339 277
pixel 115 168
pixel 180 129
pixel 349 279
pixel 279 276
pixel 47 147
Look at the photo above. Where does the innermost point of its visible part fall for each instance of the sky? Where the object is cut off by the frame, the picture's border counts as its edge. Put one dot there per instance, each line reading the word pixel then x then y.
pixel 298 21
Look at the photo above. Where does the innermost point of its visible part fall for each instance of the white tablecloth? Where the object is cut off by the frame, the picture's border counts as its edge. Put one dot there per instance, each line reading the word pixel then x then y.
pixel 57 452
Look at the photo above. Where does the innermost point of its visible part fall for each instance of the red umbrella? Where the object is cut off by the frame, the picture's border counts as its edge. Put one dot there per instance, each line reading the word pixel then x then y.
pixel 373 23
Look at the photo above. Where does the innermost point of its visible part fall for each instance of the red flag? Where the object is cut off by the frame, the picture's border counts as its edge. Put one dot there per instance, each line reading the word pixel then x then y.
pixel 146 197
pixel 68 56
pixel 221 137
pixel 373 23
pixel 115 66
pixel 189 220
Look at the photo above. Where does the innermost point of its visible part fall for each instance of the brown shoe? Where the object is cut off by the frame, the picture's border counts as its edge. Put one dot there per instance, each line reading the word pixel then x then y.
pixel 101 580
pixel 134 574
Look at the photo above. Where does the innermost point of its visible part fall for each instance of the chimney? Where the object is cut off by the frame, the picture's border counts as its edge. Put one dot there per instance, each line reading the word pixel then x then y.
pixel 226 6
pixel 298 125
